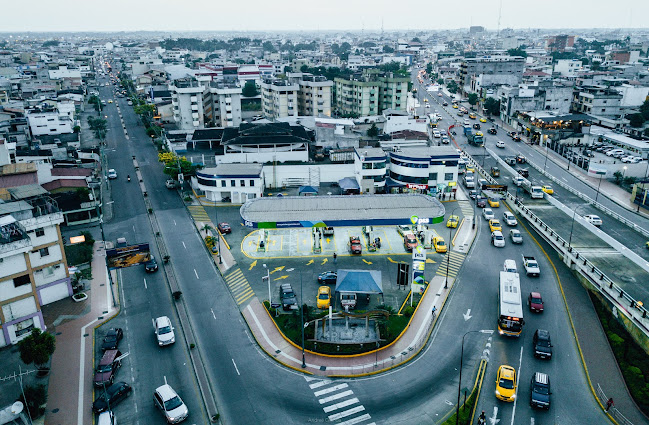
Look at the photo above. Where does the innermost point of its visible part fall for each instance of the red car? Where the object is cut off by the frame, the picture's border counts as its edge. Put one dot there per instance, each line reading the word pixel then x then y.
pixel 224 228
pixel 355 245
pixel 535 302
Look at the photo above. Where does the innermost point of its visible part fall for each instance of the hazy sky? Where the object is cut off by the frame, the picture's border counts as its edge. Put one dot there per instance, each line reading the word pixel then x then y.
pixel 253 15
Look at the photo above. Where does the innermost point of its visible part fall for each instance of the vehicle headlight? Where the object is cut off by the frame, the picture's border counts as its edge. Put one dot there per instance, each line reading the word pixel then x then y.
pixel 513 396
pixel 497 392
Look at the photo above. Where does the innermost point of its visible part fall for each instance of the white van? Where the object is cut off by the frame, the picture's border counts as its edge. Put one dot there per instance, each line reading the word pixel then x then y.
pixel 510 266
pixel 107 418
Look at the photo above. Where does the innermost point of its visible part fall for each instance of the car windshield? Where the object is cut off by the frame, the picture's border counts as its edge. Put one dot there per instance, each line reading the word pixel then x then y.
pixel 440 243
pixel 537 300
pixel 539 389
pixel 508 384
pixel 411 240
pixel 173 403
pixel 110 338
pixel 164 330
pixel 104 368
pixel 498 237
pixel 323 297
pixel 543 343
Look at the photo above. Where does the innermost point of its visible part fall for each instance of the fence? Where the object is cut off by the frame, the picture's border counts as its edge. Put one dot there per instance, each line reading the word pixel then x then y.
pixel 619 417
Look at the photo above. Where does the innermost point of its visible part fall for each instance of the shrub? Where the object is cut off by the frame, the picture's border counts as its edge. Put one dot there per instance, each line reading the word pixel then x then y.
pixel 408 311
pixel 35 397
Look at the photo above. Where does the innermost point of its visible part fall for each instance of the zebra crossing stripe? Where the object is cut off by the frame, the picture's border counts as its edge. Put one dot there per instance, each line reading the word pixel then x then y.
pixel 357 420
pixel 330 389
pixel 336 396
pixel 318 384
pixel 346 413
pixel 340 405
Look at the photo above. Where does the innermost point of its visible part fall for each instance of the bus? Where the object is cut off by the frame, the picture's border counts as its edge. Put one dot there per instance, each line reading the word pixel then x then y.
pixel 510 311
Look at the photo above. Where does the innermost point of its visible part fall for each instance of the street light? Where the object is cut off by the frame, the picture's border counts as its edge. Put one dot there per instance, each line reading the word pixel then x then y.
pixel 573 224
pixel 459 383
pixel 448 249
pixel 302 319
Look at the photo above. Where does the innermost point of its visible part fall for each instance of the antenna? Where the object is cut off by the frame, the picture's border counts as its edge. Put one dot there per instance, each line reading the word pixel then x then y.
pixel 500 12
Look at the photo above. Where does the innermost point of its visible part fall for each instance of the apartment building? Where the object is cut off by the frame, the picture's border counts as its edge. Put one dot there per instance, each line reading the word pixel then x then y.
pixel 279 99
pixel 42 122
pixel 314 95
pixel 33 270
pixel 598 101
pixel 370 93
pixel 490 71
pixel 222 108
pixel 546 96
pixel 187 99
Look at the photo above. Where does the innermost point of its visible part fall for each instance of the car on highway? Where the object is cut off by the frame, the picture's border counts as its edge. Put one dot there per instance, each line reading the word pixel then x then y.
pixel 439 244
pixel 547 189
pixel 476 126
pixel 453 221
pixel 112 174
pixel 427 105
pixel 224 227
pixel 506 383
pixel 444 103
pixel 497 239
pixel 170 404
pixel 474 194
pixel 324 297
pixel 492 131
pixel 151 265
pixel 470 168
pixel 111 397
pixel 488 214
pixel 542 344
pixel 327 277
pixel 483 120
pixel 540 391
pixel 112 339
pixel 523 172
pixel 494 224
pixel 455 106
pixel 493 202
pixel 163 331
pixel 593 219
pixel 481 202
pixel 509 218
pixel 500 144
pixel 515 236
pixel 472 116
pixel 445 140
pixel 460 113
pixel 535 301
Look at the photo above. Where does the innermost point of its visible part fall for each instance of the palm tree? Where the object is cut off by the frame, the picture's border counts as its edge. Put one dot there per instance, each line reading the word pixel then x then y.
pixel 207 228
pixel 37 348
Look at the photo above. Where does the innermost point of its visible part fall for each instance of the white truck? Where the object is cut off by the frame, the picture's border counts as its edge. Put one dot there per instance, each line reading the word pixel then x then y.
pixel 536 192
pixel 531 266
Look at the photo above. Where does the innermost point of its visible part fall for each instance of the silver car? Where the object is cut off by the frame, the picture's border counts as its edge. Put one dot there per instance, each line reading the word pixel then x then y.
pixel 515 236
pixel 170 404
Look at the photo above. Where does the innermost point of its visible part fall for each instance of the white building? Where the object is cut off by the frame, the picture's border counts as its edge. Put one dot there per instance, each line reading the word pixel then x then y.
pixel 279 99
pixel 187 100
pixel 568 67
pixel 222 108
pixel 33 270
pixel 370 169
pixel 238 182
pixel 431 168
pixel 315 94
pixel 50 122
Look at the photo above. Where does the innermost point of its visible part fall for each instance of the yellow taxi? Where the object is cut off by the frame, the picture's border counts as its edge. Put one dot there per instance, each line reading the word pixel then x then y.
pixel 548 189
pixel 493 202
pixel 494 225
pixel 506 383
pixel 110 100
pixel 483 120
pixel 472 116
pixel 439 244
pixel 455 106
pixel 470 168
pixel 453 221
pixel 479 133
pixel 324 297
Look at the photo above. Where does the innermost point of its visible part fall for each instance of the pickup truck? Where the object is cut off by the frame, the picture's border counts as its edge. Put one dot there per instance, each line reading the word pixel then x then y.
pixel 531 266
pixel 355 246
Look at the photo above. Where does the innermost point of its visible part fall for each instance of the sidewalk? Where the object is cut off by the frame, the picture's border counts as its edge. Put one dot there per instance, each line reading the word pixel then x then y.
pixel 70 391
pixel 402 350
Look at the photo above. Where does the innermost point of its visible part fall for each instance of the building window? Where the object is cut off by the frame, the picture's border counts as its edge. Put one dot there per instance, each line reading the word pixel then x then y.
pixel 21 280
pixel 40 232
pixel 24 327
pixel 448 177
pixel 222 183
pixel 243 183
pixel 232 183
pixel 252 183
pixel 44 252
pixel 432 176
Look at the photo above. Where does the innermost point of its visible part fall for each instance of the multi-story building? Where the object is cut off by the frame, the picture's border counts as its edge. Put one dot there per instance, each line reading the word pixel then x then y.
pixel 370 169
pixel 222 108
pixel 370 93
pixel 490 71
pixel 187 99
pixel 49 122
pixel 279 99
pixel 598 101
pixel 546 96
pixel 314 96
pixel 433 168
pixel 568 68
pixel 560 43
pixel 234 182
pixel 33 270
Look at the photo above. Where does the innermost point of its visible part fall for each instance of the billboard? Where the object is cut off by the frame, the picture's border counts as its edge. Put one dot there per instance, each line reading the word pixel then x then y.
pixel 127 256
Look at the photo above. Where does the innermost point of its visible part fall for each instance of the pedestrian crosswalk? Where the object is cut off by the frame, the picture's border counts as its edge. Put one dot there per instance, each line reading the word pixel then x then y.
pixel 239 286
pixel 198 213
pixel 454 261
pixel 466 207
pixel 338 402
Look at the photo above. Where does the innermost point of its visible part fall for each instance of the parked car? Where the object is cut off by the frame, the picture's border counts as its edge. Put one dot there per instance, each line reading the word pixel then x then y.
pixel 453 221
pixel 151 265
pixel 107 368
pixel 439 244
pixel 327 278
pixel 535 301
pixel 540 391
pixel 170 404
pixel 287 297
pixel 163 331
pixel 613 152
pixel 111 397
pixel 506 383
pixel 593 219
pixel 112 338
pixel 509 218
pixel 542 344
pixel 497 239
pixel 324 297
pixel 515 236
pixel 403 229
pixel 224 227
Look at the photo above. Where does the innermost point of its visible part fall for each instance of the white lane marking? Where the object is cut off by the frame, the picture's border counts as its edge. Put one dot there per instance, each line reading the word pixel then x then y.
pixel 213 315
pixel 145 287
pixel 518 379
pixel 318 384
pixel 330 389
pixel 175 223
pixel 340 405
pixel 494 419
pixel 136 407
pixel 336 396
pixel 346 413
pixel 196 273
pixel 184 245
pixel 357 419
pixel 235 367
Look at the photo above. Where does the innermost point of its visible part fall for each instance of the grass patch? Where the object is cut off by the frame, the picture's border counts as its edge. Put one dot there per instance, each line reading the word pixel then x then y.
pixel 632 359
pixel 465 411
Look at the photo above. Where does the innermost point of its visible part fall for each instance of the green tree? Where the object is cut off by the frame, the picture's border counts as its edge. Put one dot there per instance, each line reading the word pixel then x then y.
pixel 636 120
pixel 644 110
pixel 98 126
pixel 187 168
pixel 440 81
pixel 473 98
pixel 37 348
pixel 249 89
pixel 388 49
pixel 596 66
pixel 373 131
pixel 492 106
pixel 429 68
pixel 452 87
pixel 269 47
pixel 416 40
pixel 517 52
pixel 585 61
pixel 618 176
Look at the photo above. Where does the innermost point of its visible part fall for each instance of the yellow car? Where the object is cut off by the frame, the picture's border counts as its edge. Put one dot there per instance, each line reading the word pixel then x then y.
pixel 324 297
pixel 494 225
pixel 493 202
pixel 479 133
pixel 506 383
pixel 472 116
pixel 548 189
pixel 439 244
pixel 483 120
pixel 470 168
pixel 453 221
pixel 455 106
pixel 110 101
